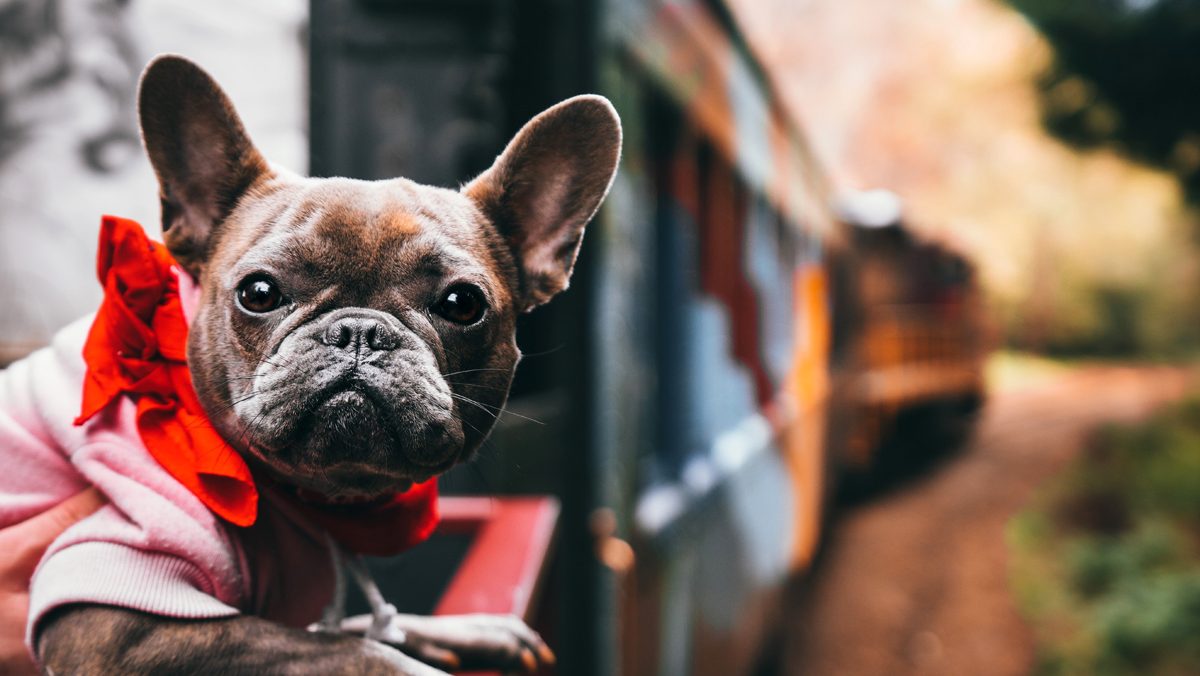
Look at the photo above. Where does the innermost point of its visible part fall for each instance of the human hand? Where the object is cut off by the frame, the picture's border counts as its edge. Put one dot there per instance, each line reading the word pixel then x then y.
pixel 21 548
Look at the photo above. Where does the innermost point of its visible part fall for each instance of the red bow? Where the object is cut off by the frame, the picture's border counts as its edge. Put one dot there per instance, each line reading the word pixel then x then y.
pixel 137 346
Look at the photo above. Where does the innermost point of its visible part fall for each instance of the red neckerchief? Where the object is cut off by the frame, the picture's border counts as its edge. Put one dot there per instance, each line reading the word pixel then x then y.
pixel 137 347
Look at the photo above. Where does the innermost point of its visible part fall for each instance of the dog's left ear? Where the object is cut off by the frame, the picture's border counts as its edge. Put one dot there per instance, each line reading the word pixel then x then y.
pixel 546 186
pixel 200 151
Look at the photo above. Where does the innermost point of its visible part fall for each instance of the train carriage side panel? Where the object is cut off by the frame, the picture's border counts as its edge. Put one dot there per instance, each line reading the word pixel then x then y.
pixel 726 505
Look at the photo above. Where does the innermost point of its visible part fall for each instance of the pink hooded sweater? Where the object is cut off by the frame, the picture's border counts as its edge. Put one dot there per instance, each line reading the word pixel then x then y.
pixel 155 547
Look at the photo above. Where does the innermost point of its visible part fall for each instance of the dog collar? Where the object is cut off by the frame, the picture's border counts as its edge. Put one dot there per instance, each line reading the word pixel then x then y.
pixel 137 348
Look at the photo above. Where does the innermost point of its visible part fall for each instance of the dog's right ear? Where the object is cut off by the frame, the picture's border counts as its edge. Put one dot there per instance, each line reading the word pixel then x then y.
pixel 200 151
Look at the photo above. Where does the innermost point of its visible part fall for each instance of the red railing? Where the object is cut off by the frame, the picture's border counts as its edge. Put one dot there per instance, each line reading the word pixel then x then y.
pixel 506 563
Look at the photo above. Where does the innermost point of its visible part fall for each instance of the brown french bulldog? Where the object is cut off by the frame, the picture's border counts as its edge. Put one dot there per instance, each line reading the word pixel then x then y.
pixel 352 337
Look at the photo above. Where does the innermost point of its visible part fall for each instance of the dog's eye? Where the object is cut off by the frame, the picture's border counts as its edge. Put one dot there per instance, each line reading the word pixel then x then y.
pixel 259 294
pixel 461 304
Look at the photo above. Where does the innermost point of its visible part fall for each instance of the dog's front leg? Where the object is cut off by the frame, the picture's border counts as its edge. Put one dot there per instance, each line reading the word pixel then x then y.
pixel 88 639
pixel 462 641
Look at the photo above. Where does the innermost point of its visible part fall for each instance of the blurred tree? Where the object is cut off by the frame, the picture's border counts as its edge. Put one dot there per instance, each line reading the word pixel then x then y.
pixel 1124 76
pixel 1085 243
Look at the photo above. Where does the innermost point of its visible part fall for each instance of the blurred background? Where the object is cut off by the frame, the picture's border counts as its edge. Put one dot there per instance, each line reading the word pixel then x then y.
pixel 879 358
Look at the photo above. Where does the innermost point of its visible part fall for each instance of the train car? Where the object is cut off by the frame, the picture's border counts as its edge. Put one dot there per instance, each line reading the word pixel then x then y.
pixel 911 379
pixel 674 402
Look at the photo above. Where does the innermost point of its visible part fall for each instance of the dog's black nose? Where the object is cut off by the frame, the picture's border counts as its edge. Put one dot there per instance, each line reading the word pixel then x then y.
pixel 360 332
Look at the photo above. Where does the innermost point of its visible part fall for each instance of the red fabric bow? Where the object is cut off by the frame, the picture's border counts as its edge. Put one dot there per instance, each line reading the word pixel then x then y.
pixel 137 347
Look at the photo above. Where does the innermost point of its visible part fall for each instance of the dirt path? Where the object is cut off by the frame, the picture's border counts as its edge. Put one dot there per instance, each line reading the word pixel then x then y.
pixel 915 582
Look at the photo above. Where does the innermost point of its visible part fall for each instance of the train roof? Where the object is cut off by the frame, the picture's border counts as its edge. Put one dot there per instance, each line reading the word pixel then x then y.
pixel 695 50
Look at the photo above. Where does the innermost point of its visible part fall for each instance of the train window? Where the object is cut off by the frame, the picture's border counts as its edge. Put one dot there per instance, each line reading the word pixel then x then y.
pixel 723 296
pixel 677 192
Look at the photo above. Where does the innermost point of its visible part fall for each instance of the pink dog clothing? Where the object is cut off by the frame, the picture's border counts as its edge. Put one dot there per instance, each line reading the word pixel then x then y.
pixel 167 542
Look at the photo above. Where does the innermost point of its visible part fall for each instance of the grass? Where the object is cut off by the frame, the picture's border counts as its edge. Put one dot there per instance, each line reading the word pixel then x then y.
pixel 1008 370
pixel 1106 561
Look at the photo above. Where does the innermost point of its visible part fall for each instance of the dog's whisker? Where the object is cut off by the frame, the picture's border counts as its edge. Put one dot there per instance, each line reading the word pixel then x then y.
pixel 498 410
pixel 235 379
pixel 486 445
pixel 543 353
pixel 478 431
pixel 239 400
pixel 206 421
pixel 247 427
pixel 477 385
pixel 286 364
pixel 474 463
pixel 458 373
pixel 474 403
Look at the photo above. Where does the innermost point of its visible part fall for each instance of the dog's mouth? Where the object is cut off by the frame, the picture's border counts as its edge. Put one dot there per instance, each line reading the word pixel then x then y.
pixel 353 442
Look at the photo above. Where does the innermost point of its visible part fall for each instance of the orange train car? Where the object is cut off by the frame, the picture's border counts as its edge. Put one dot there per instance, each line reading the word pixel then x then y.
pixel 911 368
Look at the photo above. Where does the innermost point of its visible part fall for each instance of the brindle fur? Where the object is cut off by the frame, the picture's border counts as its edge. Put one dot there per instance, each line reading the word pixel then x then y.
pixel 409 397
pixel 101 640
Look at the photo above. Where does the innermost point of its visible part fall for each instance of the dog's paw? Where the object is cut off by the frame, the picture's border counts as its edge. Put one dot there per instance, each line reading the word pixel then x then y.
pixel 463 641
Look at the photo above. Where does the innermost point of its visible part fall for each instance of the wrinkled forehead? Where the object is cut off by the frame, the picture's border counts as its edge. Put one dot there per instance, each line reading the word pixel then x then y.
pixel 368 229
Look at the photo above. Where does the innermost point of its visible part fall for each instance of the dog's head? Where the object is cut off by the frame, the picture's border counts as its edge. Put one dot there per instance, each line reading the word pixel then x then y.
pixel 355 336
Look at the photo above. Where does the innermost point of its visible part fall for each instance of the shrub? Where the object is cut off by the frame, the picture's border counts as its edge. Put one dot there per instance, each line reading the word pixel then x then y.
pixel 1106 563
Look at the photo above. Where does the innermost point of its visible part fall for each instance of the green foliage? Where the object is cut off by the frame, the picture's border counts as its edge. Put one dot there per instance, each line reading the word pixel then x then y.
pixel 1156 467
pixel 1100 565
pixel 1117 595
pixel 1149 319
pixel 1123 77
pixel 1154 620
